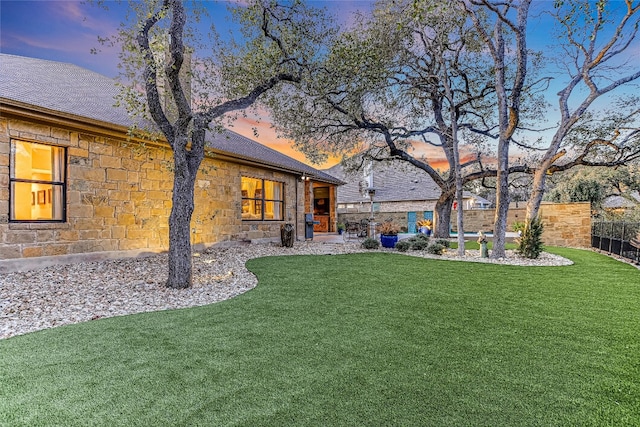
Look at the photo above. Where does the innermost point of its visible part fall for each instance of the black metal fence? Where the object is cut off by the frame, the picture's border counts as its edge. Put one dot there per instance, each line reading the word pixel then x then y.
pixel 615 238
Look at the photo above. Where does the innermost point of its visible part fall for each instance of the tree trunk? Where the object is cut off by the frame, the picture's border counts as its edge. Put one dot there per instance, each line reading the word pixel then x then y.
pixel 509 99
pixel 460 220
pixel 180 271
pixel 502 209
pixel 443 216
pixel 538 189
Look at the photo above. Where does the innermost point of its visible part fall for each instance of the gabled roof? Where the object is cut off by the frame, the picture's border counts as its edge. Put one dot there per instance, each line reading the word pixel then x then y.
pixel 621 202
pixel 65 90
pixel 393 181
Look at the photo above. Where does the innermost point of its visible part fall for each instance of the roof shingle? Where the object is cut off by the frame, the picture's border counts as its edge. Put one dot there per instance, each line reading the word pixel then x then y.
pixel 66 88
pixel 393 181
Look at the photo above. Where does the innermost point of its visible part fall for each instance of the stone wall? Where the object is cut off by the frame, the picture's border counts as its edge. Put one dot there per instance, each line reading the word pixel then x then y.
pixel 565 224
pixel 396 211
pixel 399 218
pixel 119 198
pixel 381 208
pixel 483 219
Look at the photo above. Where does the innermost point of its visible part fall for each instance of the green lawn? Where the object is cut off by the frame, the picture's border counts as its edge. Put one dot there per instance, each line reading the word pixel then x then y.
pixel 374 339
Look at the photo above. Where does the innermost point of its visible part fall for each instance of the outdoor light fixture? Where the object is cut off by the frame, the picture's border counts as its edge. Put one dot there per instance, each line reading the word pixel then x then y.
pixel 371 192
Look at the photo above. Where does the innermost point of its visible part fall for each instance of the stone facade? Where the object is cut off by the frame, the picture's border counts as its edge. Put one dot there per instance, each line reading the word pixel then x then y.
pixel 565 224
pixel 119 198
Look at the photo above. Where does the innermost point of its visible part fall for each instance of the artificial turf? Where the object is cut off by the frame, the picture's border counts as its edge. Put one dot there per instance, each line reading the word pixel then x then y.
pixel 361 339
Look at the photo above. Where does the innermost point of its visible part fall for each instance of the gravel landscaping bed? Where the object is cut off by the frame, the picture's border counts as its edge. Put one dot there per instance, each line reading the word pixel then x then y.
pixel 73 293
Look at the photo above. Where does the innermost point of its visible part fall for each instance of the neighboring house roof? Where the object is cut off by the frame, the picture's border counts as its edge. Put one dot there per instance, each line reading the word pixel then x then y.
pixel 393 182
pixel 620 202
pixel 66 90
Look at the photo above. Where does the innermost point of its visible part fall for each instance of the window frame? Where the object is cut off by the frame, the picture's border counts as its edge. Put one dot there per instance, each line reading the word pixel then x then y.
pixel 260 202
pixel 13 179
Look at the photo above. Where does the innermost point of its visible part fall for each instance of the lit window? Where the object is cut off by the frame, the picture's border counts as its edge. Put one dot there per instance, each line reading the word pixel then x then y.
pixel 262 200
pixel 37 179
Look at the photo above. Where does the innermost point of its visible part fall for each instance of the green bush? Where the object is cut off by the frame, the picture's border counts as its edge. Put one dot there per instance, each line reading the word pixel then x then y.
pixel 518 226
pixel 420 236
pixel 444 242
pixel 435 249
pixel 530 243
pixel 370 243
pixel 403 245
pixel 419 244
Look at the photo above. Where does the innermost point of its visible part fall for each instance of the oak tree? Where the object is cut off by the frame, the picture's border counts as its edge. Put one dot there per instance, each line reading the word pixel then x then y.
pixel 277 42
pixel 409 75
pixel 595 45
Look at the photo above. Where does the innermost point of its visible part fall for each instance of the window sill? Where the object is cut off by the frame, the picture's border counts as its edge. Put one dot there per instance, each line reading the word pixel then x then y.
pixel 39 226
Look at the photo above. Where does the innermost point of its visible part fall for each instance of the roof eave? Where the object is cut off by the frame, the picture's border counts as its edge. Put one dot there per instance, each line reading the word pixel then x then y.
pixel 20 110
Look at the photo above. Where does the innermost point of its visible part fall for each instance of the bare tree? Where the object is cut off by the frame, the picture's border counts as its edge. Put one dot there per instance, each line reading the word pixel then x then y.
pixel 501 27
pixel 594 39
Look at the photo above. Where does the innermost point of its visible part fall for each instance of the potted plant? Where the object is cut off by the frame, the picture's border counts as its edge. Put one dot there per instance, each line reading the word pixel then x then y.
pixel 340 227
pixel 424 226
pixel 388 233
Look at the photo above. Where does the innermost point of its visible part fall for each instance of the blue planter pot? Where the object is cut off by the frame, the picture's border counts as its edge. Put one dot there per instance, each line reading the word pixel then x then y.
pixel 425 230
pixel 388 241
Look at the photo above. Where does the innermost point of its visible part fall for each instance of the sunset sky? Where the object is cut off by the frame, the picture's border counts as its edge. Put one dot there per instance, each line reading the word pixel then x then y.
pixel 67 31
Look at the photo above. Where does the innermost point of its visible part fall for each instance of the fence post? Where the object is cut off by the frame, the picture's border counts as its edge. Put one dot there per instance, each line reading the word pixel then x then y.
pixel 600 235
pixel 610 237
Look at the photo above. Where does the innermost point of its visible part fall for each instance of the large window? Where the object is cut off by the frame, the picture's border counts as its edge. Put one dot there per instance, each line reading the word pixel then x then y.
pixel 262 200
pixel 37 179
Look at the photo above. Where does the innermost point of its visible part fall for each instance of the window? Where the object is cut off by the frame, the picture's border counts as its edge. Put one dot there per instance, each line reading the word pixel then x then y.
pixel 37 182
pixel 262 200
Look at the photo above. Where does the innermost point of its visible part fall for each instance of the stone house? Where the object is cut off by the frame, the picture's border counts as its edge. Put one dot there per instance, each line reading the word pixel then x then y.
pixel 73 185
pixel 394 190
pixel 618 204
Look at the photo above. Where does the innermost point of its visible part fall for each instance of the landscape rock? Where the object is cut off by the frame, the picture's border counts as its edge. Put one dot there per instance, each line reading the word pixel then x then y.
pixel 73 293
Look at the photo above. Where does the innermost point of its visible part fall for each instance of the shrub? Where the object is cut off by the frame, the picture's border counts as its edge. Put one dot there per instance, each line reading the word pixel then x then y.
pixel 370 243
pixel 419 244
pixel 444 242
pixel 403 245
pixel 518 226
pixel 530 243
pixel 420 237
pixel 435 249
